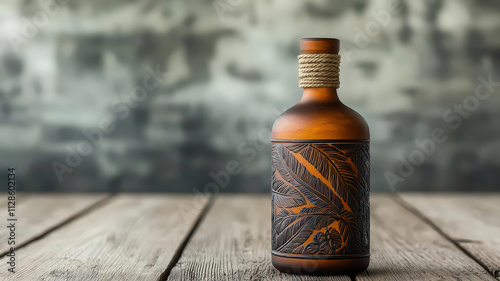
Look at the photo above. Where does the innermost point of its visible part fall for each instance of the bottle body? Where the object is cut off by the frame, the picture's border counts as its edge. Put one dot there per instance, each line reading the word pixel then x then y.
pixel 320 187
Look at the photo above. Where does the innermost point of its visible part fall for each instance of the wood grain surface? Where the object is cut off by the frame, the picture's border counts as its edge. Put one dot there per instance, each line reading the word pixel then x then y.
pixel 472 221
pixel 132 237
pixel 233 243
pixel 403 247
pixel 182 237
pixel 39 214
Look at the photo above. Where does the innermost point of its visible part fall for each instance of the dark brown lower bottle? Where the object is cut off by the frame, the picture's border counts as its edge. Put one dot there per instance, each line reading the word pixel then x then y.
pixel 320 182
pixel 320 198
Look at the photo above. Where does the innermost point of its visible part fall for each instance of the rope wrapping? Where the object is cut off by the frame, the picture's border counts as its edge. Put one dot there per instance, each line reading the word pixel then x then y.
pixel 319 70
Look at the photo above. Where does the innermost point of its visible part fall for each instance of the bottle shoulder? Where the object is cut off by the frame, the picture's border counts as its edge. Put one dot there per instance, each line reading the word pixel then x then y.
pixel 320 121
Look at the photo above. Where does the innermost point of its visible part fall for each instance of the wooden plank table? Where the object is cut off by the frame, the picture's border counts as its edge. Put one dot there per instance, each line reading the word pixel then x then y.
pixel 187 237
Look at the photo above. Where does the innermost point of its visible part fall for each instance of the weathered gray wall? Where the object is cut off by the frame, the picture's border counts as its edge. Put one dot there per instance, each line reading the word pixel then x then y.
pixel 69 69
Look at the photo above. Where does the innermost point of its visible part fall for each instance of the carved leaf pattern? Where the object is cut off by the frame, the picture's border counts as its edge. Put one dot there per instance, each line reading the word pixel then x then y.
pixel 334 166
pixel 290 169
pixel 324 242
pixel 285 196
pixel 299 175
pixel 360 156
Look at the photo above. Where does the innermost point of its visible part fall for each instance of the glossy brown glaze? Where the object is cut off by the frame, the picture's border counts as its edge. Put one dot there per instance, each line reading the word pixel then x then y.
pixel 320 182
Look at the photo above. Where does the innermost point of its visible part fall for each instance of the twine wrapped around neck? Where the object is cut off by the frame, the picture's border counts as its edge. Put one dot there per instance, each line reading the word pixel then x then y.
pixel 319 70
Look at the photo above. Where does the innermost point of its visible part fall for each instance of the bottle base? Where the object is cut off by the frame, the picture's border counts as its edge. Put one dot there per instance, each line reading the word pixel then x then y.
pixel 341 266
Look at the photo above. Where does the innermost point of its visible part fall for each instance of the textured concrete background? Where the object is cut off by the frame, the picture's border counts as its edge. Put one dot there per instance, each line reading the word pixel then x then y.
pixel 80 110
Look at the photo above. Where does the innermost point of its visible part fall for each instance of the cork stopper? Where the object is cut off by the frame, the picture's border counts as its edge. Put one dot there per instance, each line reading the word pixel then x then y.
pixel 319 46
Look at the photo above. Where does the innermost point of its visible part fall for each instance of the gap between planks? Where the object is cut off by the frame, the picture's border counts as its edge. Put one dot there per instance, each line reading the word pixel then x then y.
pixel 236 245
pixel 403 203
pixel 92 207
pixel 183 244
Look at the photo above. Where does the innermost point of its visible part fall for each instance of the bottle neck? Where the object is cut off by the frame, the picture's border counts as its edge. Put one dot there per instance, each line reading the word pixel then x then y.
pixel 320 95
